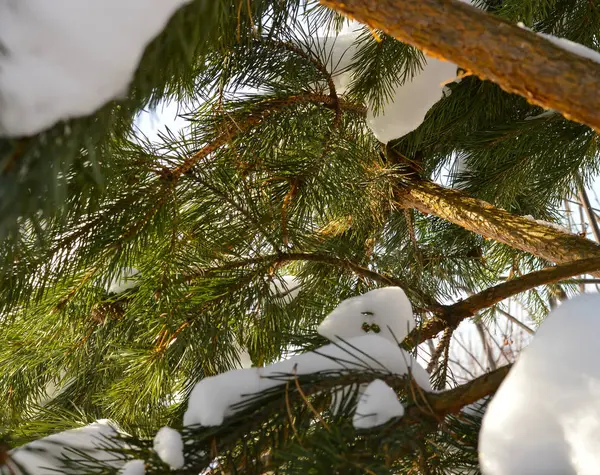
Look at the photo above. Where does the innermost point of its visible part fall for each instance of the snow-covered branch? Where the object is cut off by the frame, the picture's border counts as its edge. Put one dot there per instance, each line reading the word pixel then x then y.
pixel 544 71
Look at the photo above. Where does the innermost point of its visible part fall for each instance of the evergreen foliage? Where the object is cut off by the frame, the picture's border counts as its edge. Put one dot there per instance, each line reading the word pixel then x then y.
pixel 276 175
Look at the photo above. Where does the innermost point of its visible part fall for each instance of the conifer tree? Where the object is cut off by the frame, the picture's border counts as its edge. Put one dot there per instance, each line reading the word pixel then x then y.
pixel 132 270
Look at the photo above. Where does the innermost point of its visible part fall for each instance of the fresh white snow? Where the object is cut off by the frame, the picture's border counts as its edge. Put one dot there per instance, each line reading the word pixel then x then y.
pixel 46 456
pixel 573 47
pixel 386 311
pixel 377 405
pixel 285 289
pixel 407 106
pixel 216 397
pixel 545 418
pixel 133 467
pixel 406 109
pixel 556 226
pixel 569 45
pixel 168 444
pixel 67 58
pixel 124 280
pixel 245 359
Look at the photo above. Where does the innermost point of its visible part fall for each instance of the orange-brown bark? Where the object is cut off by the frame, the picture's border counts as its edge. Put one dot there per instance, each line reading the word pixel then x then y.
pixel 451 315
pixel 480 217
pixel 518 60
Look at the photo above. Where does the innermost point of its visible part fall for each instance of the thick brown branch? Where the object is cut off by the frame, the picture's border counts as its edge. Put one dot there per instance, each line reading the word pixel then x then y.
pixel 452 401
pixel 516 59
pixel 480 217
pixel 452 315
pixel 262 110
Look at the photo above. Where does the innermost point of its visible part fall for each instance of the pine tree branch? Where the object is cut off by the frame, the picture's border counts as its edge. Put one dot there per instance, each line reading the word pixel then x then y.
pixel 282 258
pixel 438 405
pixel 260 112
pixel 321 68
pixel 452 315
pixel 585 201
pixel 516 321
pixel 478 216
pixel 516 59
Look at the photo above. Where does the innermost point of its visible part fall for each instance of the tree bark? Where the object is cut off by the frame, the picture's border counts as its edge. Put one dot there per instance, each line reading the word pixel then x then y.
pixel 480 217
pixel 452 315
pixel 516 59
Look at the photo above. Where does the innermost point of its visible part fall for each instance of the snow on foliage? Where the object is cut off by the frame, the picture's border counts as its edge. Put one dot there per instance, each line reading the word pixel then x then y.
pixel 133 467
pixel 123 280
pixel 47 456
pixel 573 47
pixel 216 397
pixel 377 405
pixel 406 108
pixel 386 312
pixel 285 289
pixel 67 58
pixel 168 444
pixel 545 418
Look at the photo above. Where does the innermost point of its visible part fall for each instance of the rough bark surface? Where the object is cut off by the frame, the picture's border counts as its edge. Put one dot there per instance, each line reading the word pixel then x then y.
pixel 452 315
pixel 480 217
pixel 516 59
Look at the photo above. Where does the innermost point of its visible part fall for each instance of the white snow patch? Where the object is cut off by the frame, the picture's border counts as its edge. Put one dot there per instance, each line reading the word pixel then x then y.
pixel 544 115
pixel 556 226
pixel 124 280
pixel 410 101
pixel 168 444
pixel 46 456
pixel 568 45
pixel 285 289
pixel 216 397
pixel 386 311
pixel 133 467
pixel 573 47
pixel 545 418
pixel 67 58
pixel 377 405
pixel 244 357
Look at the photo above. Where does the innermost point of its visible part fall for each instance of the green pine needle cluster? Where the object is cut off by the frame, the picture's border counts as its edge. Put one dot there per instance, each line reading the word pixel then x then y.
pixel 277 175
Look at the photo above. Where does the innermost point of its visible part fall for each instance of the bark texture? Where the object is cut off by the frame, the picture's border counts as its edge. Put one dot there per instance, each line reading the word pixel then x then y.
pixel 480 217
pixel 516 59
pixel 452 315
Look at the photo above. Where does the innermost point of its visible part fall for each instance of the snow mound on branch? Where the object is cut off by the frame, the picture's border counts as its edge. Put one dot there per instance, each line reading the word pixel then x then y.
pixel 217 397
pixel 545 418
pixel 47 456
pixel 124 280
pixel 377 405
pixel 285 289
pixel 133 467
pixel 168 444
pixel 556 226
pixel 67 58
pixel 573 47
pixel 386 311
pixel 410 102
